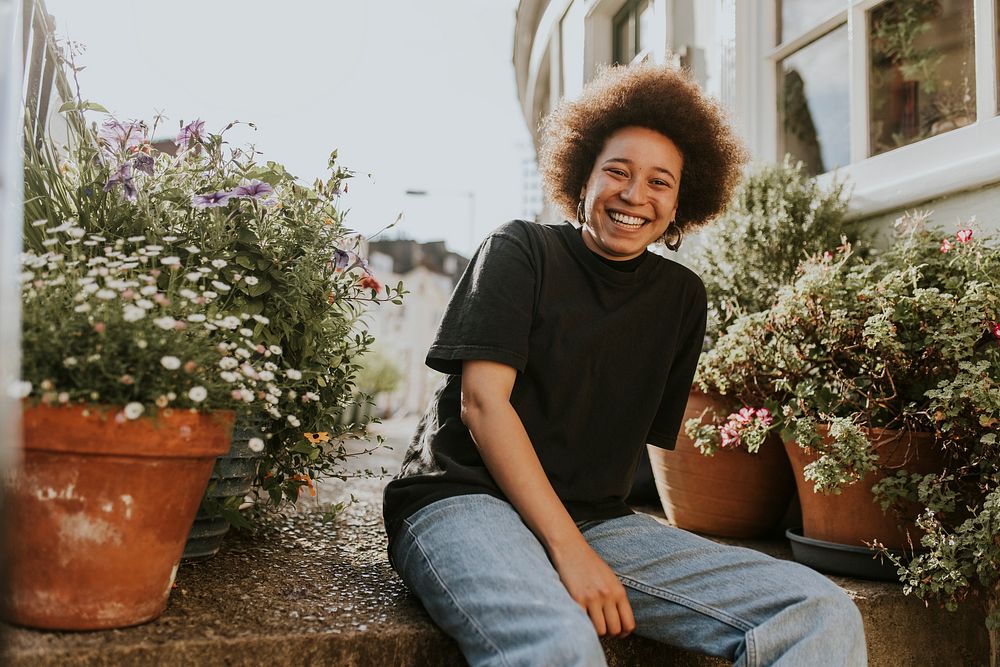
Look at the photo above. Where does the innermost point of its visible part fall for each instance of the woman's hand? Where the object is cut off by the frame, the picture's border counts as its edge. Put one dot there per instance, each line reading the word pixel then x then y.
pixel 595 587
pixel 509 456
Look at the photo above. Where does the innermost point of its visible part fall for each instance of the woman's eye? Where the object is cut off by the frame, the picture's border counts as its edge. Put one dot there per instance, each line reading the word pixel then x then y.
pixel 617 172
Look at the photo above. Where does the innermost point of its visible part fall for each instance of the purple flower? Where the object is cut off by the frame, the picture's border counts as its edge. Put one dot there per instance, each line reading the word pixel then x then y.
pixel 341 258
pixel 211 200
pixel 143 163
pixel 123 137
pixel 254 188
pixel 123 176
pixel 193 131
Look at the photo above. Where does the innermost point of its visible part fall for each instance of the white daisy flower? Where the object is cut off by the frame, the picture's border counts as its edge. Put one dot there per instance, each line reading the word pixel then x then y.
pixel 251 280
pixel 132 313
pixel 166 322
pixel 170 363
pixel 293 374
pixel 219 263
pixel 228 363
pixel 133 410
pixel 255 444
pixel 198 394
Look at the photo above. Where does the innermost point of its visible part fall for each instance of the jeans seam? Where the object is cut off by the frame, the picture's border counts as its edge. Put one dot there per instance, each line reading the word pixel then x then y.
pixel 450 596
pixel 751 648
pixel 711 612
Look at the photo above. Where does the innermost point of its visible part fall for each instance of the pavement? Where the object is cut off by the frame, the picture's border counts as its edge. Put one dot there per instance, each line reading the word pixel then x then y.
pixel 307 592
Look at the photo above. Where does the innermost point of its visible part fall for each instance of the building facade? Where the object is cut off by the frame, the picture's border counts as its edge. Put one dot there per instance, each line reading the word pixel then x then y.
pixel 900 97
pixel 404 333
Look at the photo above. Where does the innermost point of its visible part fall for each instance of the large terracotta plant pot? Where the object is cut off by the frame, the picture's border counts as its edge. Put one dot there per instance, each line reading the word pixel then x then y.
pixel 732 493
pixel 853 517
pixel 100 511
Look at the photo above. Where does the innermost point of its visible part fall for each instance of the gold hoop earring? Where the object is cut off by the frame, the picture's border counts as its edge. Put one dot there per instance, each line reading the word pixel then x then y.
pixel 673 230
pixel 580 217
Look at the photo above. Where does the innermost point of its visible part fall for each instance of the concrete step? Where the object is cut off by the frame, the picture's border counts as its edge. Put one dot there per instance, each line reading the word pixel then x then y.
pixel 305 592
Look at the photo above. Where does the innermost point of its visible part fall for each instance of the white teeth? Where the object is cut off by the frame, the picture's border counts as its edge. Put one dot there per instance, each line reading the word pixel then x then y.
pixel 630 221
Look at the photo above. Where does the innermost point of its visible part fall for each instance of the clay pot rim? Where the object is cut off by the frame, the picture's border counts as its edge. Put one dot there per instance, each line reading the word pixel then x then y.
pixel 50 428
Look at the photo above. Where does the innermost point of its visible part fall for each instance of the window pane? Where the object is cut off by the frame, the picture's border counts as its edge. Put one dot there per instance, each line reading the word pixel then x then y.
pixel 623 49
pixel 922 80
pixel 814 103
pixel 797 16
pixel 645 26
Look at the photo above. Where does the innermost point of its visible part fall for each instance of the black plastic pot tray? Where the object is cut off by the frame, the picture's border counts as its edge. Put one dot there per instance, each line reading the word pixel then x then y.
pixel 843 559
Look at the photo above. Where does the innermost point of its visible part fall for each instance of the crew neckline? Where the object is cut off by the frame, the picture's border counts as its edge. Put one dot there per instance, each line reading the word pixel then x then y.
pixel 597 263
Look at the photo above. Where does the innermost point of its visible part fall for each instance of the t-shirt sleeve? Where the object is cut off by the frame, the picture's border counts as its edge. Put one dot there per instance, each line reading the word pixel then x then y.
pixel 667 423
pixel 490 312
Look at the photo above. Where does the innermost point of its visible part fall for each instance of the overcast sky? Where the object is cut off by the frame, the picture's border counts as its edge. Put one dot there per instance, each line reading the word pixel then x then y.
pixel 420 95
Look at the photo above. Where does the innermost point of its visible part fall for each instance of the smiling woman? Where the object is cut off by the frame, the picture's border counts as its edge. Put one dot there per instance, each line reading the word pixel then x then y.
pixel 566 351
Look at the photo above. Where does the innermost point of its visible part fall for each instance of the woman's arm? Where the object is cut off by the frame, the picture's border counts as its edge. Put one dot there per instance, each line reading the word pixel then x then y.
pixel 509 456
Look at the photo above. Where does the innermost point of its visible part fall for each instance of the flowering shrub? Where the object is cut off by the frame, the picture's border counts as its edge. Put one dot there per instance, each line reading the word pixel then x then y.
pixel 294 274
pixel 117 323
pixel 746 428
pixel 907 340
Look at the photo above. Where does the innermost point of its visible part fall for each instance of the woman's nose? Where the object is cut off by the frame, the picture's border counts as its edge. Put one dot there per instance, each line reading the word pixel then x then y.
pixel 634 192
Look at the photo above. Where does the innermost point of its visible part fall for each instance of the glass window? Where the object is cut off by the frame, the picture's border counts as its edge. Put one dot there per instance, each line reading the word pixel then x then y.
pixel 632 25
pixel 796 16
pixel 814 103
pixel 922 76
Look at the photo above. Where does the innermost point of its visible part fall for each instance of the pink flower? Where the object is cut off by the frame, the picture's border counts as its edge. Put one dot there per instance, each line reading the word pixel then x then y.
pixel 945 245
pixel 964 235
pixel 996 330
pixel 369 281
pixel 180 325
pixel 100 327
pixel 764 415
pixel 827 256
pixel 730 436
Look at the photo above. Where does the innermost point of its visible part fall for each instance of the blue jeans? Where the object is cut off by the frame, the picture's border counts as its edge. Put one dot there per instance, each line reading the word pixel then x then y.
pixel 487 581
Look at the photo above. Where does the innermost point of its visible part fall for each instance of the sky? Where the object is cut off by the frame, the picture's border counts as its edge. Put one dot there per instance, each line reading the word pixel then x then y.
pixel 414 95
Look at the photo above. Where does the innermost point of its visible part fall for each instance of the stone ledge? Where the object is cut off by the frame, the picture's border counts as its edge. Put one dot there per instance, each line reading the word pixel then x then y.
pixel 307 592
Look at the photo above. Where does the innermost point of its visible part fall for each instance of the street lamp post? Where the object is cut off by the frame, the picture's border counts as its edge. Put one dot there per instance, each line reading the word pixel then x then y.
pixel 470 195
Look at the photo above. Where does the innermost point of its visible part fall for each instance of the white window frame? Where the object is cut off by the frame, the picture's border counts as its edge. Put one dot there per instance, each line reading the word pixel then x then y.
pixel 951 162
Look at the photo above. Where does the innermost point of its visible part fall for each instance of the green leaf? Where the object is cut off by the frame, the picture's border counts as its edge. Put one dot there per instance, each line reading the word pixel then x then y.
pixel 82 106
pixel 256 290
pixel 303 448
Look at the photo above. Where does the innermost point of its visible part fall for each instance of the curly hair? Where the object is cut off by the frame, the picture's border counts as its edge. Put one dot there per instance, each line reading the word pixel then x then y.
pixel 656 97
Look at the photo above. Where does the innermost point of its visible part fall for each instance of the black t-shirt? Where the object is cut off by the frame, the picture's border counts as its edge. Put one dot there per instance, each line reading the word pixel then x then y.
pixel 604 360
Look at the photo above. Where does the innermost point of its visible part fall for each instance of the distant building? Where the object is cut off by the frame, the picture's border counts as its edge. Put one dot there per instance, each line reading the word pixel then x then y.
pixel 429 272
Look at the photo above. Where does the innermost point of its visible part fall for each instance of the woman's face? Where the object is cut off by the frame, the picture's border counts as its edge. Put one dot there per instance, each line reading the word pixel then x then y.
pixel 631 194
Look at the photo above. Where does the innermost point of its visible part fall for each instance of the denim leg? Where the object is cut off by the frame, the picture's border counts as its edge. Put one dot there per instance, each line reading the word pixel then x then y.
pixel 486 581
pixel 728 601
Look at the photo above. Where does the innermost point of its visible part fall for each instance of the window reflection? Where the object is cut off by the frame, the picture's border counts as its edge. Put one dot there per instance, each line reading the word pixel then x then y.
pixel 797 16
pixel 814 103
pixel 922 78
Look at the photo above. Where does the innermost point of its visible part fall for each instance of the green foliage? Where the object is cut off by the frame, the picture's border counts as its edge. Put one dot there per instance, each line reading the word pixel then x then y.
pixel 908 339
pixel 777 218
pixel 294 273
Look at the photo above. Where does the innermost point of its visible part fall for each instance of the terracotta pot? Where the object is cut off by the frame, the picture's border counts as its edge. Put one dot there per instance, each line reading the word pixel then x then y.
pixel 100 512
pixel 853 517
pixel 732 493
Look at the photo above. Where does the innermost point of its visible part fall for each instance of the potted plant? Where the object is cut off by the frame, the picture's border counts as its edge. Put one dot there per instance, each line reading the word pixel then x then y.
pixel 132 372
pixel 865 356
pixel 281 247
pixel 777 218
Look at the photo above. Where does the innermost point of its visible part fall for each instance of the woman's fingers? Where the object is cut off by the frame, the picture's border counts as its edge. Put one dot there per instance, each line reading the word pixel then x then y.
pixel 596 613
pixel 627 619
pixel 612 620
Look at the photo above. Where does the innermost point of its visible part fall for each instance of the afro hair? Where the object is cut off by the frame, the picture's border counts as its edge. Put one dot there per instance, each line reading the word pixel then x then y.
pixel 657 97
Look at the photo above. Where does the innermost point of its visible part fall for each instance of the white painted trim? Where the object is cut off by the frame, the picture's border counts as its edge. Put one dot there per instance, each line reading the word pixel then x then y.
pixel 956 161
pixel 11 208
pixel 987 57
pixel 539 47
pixel 857 54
